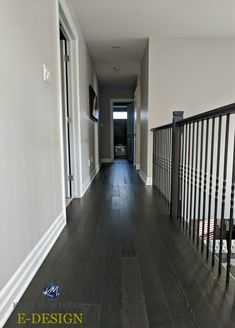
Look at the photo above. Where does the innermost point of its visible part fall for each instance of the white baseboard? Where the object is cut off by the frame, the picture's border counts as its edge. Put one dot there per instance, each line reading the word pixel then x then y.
pixel 148 181
pixel 16 286
pixel 137 166
pixel 89 180
pixel 106 160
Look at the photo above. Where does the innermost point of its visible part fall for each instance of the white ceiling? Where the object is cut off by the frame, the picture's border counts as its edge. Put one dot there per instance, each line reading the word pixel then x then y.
pixel 129 23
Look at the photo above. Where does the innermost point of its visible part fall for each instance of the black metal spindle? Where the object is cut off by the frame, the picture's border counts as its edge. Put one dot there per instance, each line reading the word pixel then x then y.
pixel 171 160
pixel 158 173
pixel 196 178
pixel 156 159
pixel 170 152
pixel 216 190
pixel 163 171
pixel 204 185
pixel 200 184
pixel 158 155
pixel 223 192
pixel 168 167
pixel 154 153
pixel 191 190
pixel 181 171
pixel 160 161
pixel 188 177
pixel 231 217
pixel 185 159
pixel 210 186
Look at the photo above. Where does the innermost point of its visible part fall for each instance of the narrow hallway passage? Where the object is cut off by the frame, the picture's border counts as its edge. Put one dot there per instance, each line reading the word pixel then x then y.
pixel 125 264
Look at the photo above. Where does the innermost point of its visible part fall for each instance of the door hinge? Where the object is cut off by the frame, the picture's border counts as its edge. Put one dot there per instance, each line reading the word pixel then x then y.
pixel 70 177
pixel 66 58
pixel 68 119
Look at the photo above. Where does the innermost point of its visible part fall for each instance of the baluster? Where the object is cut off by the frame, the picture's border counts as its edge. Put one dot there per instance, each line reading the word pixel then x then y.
pixel 204 186
pixel 188 226
pixel 181 170
pixel 231 217
pixel 191 191
pixel 223 192
pixel 195 185
pixel 200 184
pixel 216 190
pixel 210 187
pixel 185 170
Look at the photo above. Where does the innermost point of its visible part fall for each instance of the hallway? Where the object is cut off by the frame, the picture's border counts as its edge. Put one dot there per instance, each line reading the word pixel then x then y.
pixel 125 264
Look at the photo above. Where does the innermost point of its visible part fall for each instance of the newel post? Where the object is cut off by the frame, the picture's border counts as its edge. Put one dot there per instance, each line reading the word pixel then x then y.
pixel 175 162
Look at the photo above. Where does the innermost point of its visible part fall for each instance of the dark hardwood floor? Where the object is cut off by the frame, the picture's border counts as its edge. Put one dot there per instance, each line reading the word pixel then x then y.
pixel 124 264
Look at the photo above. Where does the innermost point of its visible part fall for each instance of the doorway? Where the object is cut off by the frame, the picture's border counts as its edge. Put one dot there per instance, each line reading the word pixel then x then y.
pixel 120 131
pixel 66 114
pixel 123 130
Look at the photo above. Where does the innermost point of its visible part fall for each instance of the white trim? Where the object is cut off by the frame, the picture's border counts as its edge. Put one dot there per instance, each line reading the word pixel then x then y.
pixel 60 111
pixel 76 162
pixel 106 160
pixel 137 167
pixel 112 101
pixel 148 181
pixel 16 286
pixel 89 180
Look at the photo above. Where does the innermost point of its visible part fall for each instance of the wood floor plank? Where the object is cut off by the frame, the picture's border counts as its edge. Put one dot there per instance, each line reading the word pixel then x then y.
pixel 133 303
pixel 156 304
pixel 124 263
pixel 111 311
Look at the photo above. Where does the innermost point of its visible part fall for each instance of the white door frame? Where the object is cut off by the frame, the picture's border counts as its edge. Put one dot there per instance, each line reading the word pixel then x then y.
pixel 75 142
pixel 112 101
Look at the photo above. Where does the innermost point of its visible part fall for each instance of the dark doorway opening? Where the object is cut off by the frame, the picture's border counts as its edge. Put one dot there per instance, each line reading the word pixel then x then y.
pixel 123 121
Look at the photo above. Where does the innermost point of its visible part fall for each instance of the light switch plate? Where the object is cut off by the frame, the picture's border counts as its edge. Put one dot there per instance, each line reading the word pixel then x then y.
pixel 46 74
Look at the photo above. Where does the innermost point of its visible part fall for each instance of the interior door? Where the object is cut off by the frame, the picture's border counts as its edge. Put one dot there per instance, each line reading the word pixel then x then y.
pixel 131 132
pixel 66 115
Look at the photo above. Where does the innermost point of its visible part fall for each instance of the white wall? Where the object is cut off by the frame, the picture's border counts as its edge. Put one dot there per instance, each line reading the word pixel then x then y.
pixel 106 95
pixel 89 129
pixel 137 101
pixel 188 74
pixel 193 75
pixel 31 188
pixel 30 167
pixel 144 130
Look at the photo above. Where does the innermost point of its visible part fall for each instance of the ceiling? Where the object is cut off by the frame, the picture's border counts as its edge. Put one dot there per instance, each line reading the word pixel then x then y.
pixel 128 23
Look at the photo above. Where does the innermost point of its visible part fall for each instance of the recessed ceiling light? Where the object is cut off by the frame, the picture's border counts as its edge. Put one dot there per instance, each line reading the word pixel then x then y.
pixel 116 68
pixel 116 46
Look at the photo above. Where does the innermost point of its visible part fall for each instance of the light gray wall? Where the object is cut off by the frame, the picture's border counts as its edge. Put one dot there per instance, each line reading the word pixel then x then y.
pixel 144 113
pixel 30 166
pixel 89 129
pixel 137 120
pixel 31 189
pixel 106 95
pixel 189 74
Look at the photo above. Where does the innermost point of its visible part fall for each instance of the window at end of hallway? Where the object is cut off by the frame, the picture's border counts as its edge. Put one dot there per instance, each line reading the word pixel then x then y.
pixel 120 115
